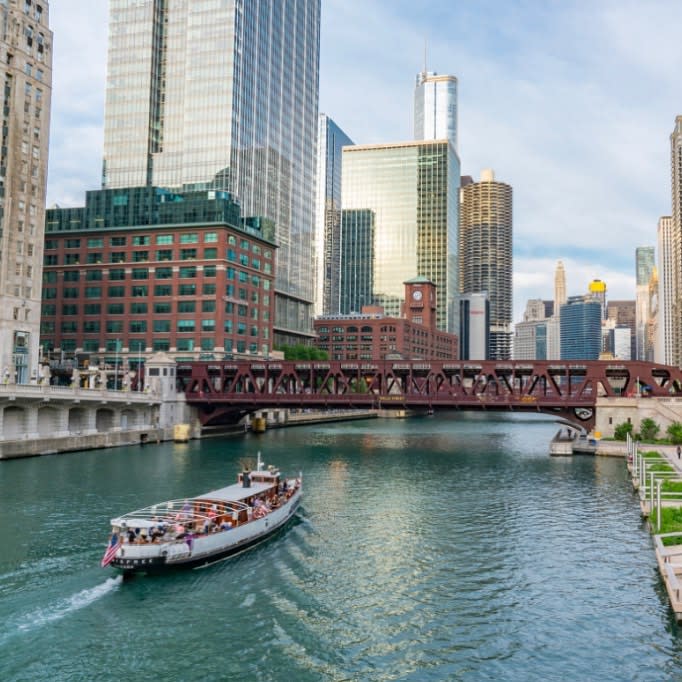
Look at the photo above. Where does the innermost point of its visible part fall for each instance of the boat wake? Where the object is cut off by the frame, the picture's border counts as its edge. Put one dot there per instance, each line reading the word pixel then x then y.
pixel 63 607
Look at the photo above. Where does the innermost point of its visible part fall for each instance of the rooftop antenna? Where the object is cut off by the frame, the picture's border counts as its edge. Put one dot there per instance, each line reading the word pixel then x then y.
pixel 425 45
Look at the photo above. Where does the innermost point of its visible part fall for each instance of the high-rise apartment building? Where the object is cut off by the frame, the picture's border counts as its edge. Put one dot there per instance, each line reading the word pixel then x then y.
pixel 666 274
pixel 223 96
pixel 435 107
pixel 674 305
pixel 26 73
pixel 645 262
pixel 411 188
pixel 330 141
pixel 485 254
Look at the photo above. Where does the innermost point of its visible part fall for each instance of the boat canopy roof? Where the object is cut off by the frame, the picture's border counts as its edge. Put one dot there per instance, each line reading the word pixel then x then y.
pixel 236 492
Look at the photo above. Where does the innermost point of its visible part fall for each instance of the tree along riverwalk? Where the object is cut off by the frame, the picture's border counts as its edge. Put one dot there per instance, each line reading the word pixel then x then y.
pixel 656 473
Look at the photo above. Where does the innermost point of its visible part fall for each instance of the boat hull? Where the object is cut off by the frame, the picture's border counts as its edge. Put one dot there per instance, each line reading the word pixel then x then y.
pixel 207 550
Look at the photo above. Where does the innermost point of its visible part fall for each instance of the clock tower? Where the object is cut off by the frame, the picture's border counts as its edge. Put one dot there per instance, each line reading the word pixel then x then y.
pixel 420 302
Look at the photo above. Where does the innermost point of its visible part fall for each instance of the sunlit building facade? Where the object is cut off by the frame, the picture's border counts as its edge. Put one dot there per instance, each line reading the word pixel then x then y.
pixel 412 190
pixel 485 254
pixel 224 96
pixel 26 74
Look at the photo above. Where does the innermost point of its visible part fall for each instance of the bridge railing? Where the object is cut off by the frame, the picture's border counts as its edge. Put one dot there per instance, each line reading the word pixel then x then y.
pixel 28 391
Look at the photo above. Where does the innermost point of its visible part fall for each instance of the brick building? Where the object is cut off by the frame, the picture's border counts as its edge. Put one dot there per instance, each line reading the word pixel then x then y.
pixel 371 335
pixel 141 270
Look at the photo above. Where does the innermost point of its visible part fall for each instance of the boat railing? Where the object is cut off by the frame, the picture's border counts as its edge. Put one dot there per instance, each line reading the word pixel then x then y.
pixel 174 520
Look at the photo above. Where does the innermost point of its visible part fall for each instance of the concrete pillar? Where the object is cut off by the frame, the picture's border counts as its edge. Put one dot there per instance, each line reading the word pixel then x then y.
pixel 90 420
pixel 62 426
pixel 31 421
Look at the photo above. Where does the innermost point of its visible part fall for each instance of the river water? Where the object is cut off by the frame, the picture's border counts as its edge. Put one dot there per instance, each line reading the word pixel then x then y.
pixel 436 548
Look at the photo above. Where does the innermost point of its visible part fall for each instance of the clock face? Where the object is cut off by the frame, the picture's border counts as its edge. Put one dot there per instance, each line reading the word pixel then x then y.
pixel 417 295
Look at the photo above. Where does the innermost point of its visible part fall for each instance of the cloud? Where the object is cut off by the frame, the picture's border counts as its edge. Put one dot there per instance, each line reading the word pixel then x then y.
pixel 78 86
pixel 571 103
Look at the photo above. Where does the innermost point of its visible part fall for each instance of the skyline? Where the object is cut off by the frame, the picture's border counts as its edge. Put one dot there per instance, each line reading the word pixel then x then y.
pixel 572 106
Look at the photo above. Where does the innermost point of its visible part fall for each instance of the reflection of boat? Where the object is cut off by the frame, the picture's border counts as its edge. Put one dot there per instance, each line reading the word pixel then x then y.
pixel 198 531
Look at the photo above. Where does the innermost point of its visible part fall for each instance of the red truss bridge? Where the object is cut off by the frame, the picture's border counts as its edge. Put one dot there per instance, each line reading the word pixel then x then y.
pixel 223 391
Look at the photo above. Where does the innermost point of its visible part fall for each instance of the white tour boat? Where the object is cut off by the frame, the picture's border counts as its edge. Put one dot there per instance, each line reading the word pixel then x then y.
pixel 197 531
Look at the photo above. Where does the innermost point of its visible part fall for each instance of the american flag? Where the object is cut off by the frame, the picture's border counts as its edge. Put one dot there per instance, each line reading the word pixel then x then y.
pixel 109 555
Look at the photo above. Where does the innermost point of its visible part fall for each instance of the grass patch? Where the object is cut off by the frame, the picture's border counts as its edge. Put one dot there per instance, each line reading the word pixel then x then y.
pixel 650 454
pixel 671 522
pixel 660 468
pixel 671 487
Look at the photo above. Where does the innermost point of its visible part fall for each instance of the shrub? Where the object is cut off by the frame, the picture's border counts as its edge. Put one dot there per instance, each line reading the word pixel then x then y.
pixel 649 430
pixel 621 431
pixel 674 432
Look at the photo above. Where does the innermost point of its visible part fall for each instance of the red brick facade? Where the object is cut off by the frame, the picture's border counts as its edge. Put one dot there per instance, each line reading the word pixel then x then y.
pixel 373 336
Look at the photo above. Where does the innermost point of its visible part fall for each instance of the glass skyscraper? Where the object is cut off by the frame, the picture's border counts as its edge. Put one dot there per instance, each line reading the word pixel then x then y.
pixel 356 260
pixel 580 329
pixel 645 265
pixel 412 190
pixel 330 141
pixel 435 107
pixel 223 95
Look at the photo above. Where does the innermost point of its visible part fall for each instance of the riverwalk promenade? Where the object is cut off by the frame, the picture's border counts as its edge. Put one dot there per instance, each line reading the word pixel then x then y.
pixel 656 472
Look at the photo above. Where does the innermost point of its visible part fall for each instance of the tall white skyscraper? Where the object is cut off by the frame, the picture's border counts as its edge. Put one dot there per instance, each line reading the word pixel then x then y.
pixel 666 274
pixel 675 303
pixel 559 288
pixel 26 74
pixel 435 108
pixel 223 95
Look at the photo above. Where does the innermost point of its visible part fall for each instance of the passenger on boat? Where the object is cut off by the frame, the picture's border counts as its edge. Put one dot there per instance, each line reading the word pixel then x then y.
pixel 131 536
pixel 225 525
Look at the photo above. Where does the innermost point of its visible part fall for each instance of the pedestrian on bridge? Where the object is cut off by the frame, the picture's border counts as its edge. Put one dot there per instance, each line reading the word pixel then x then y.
pixel 679 451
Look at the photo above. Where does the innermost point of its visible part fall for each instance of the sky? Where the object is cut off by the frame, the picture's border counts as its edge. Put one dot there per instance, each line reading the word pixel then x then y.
pixel 571 102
